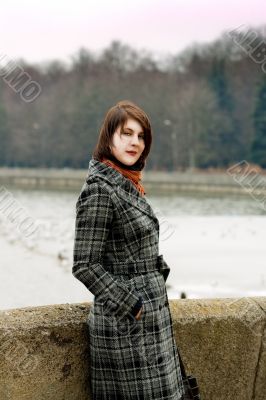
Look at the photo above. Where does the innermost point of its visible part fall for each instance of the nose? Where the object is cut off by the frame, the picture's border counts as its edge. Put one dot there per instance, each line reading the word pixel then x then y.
pixel 134 139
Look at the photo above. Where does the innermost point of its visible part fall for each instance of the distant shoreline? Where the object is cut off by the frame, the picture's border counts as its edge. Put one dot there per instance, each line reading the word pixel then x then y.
pixel 196 180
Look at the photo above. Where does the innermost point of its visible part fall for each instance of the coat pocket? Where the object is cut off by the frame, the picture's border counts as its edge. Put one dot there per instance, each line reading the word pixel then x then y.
pixel 118 306
pixel 156 292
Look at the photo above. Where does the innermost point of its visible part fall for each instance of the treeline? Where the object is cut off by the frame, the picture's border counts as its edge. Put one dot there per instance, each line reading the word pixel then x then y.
pixel 207 106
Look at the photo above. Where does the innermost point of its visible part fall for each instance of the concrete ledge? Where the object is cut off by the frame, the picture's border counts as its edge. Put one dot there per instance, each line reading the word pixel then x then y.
pixel 44 350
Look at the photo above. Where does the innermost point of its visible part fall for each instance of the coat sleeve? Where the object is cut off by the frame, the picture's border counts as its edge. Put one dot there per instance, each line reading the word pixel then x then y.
pixel 94 215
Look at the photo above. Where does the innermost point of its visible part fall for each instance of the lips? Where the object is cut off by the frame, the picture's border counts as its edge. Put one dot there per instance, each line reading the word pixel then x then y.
pixel 133 153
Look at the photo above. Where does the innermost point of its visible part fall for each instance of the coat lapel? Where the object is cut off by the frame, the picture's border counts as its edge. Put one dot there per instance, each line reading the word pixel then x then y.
pixel 124 188
pixel 133 198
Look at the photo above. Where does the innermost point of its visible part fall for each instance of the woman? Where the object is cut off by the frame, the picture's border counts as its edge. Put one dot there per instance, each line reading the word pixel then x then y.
pixel 132 348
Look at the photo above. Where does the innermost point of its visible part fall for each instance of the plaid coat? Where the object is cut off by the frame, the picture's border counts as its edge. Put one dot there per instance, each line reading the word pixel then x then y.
pixel 116 257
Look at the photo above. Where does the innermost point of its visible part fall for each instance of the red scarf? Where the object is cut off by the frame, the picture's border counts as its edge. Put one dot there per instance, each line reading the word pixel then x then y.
pixel 134 176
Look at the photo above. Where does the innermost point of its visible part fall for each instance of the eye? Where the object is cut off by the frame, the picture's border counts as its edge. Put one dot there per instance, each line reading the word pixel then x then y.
pixel 129 133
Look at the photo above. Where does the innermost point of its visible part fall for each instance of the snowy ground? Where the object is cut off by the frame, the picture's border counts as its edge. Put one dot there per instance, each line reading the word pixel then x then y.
pixel 209 256
pixel 216 256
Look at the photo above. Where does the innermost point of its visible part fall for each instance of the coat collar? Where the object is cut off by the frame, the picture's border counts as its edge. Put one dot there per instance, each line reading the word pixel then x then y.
pixel 124 188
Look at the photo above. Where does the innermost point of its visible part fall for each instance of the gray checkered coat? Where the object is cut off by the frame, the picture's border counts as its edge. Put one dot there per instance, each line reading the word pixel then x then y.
pixel 116 257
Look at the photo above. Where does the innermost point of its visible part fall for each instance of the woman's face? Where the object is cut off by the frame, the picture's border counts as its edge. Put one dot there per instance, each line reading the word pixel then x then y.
pixel 132 139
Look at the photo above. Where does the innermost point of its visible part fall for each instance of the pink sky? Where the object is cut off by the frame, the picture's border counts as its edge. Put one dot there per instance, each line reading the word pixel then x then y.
pixel 56 29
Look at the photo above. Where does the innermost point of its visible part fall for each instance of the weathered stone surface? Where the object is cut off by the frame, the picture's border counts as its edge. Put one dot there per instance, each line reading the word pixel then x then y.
pixel 44 351
pixel 260 381
pixel 220 343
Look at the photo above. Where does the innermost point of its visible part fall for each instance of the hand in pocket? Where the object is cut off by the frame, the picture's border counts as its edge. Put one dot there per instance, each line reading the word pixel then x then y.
pixel 138 316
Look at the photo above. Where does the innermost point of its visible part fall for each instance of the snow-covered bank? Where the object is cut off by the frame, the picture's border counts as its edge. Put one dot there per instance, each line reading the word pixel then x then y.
pixel 216 256
pixel 209 256
pixel 30 279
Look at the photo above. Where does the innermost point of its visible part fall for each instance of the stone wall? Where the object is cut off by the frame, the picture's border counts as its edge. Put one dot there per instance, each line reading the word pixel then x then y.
pixel 44 350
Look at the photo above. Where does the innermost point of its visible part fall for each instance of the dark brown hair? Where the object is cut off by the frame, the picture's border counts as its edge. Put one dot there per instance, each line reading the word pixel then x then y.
pixel 117 116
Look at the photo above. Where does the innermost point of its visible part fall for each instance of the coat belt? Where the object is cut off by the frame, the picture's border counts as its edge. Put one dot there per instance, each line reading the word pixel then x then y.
pixel 139 266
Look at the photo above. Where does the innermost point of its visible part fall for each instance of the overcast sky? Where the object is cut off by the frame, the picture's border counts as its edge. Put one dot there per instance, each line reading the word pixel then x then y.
pixel 55 29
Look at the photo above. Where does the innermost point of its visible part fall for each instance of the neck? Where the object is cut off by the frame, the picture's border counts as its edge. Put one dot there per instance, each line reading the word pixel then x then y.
pixel 122 165
pixel 135 175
